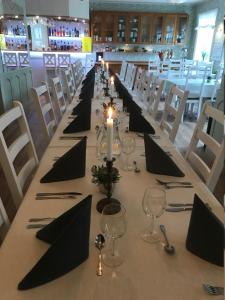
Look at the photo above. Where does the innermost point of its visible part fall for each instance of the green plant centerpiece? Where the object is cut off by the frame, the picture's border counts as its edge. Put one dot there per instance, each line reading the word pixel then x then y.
pixel 100 176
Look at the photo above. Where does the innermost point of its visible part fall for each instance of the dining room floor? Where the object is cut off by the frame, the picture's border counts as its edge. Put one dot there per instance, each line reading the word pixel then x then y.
pixel 182 141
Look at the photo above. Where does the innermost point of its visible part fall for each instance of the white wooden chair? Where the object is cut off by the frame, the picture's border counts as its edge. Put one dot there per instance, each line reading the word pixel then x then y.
pixel 209 174
pixel 64 61
pixel 10 60
pixel 128 74
pixel 24 60
pixel 44 108
pixel 69 84
pixel 50 65
pixel 175 68
pixel 196 92
pixel 154 67
pixel 4 221
pixel 130 80
pixel 137 84
pixel 155 96
pixel 16 181
pixel 173 111
pixel 123 71
pixel 164 68
pixel 58 95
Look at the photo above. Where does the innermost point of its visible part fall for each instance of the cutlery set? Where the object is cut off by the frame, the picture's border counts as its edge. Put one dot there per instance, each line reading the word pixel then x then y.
pixel 213 290
pixel 175 184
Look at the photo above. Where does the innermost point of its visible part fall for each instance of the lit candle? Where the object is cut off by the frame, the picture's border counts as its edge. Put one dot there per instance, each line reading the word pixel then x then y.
pixel 103 65
pixel 109 135
pixel 107 67
pixel 112 80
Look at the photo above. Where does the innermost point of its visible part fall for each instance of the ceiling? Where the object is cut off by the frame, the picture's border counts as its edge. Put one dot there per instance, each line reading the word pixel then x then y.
pixel 150 1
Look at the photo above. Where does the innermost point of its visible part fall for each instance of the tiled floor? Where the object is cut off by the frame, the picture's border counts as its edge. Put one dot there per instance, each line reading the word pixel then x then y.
pixel 182 141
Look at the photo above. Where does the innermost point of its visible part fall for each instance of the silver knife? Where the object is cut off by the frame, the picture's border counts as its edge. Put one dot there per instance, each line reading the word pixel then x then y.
pixel 40 219
pixel 177 209
pixel 180 204
pixel 55 197
pixel 33 226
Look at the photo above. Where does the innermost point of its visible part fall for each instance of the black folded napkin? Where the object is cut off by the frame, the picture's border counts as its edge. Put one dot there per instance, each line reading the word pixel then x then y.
pixel 81 107
pixel 138 123
pixel 157 161
pixel 69 239
pixel 205 236
pixel 70 166
pixel 81 123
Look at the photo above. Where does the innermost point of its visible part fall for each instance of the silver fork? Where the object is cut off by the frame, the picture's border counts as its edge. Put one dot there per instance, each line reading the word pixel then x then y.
pixel 213 290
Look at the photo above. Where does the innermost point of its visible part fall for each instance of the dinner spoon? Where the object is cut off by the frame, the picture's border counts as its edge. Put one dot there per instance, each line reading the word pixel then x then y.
pixel 170 249
pixel 99 244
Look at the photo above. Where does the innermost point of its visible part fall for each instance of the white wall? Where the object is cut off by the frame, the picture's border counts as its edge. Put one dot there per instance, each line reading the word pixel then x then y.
pixel 72 8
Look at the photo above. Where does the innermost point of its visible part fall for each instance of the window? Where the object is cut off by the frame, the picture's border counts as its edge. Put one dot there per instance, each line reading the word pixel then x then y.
pixel 205 33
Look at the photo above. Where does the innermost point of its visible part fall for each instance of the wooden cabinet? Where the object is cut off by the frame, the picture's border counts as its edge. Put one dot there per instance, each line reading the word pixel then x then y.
pixel 135 28
pixel 169 29
pixel 181 30
pixel 121 28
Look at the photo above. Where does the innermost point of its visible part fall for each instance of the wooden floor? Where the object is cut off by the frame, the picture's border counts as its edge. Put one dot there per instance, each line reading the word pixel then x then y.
pixel 182 142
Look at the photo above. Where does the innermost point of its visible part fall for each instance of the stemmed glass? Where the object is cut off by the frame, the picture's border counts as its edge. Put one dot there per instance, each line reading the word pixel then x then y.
pixel 128 147
pixel 153 204
pixel 113 226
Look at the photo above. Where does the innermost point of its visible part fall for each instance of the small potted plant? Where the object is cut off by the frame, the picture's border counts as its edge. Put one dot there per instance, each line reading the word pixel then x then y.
pixel 100 177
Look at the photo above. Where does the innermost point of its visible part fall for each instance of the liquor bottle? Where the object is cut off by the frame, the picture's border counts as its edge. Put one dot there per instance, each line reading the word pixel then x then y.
pixel 61 46
pixel 68 46
pixel 69 32
pixel 63 31
pixel 17 30
pixel 64 46
pixel 55 46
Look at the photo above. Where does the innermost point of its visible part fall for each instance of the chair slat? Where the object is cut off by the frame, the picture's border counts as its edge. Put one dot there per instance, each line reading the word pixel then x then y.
pixel 18 145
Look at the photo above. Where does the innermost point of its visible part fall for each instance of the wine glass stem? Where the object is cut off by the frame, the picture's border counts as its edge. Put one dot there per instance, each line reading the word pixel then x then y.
pixel 113 246
pixel 127 161
pixel 154 224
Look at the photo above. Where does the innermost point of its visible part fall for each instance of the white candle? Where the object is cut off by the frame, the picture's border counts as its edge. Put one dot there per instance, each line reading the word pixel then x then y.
pixel 103 65
pixel 109 135
pixel 107 67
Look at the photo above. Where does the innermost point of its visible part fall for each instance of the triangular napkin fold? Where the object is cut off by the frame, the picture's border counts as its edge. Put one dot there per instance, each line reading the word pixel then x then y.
pixel 205 236
pixel 69 236
pixel 81 107
pixel 137 123
pixel 157 161
pixel 70 166
pixel 81 123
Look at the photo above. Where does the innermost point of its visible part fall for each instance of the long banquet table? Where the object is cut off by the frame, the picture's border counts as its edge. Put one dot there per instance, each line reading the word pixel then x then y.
pixel 147 272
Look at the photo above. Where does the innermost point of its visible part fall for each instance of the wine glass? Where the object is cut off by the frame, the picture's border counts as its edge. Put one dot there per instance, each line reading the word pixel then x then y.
pixel 113 226
pixel 153 204
pixel 128 147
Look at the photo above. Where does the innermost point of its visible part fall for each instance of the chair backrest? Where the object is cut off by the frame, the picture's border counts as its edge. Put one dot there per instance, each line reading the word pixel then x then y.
pixel 195 90
pixel 202 66
pixel 24 60
pixel 44 108
pixel 69 84
pixel 155 96
pixel 209 174
pixel 123 70
pixel 64 60
pixel 164 68
pixel 172 113
pixel 128 73
pixel 89 62
pixel 154 67
pixel 146 83
pixel 49 60
pixel 132 77
pixel 58 95
pixel 9 153
pixel 10 59
pixel 4 221
pixel 137 83
pixel 175 68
